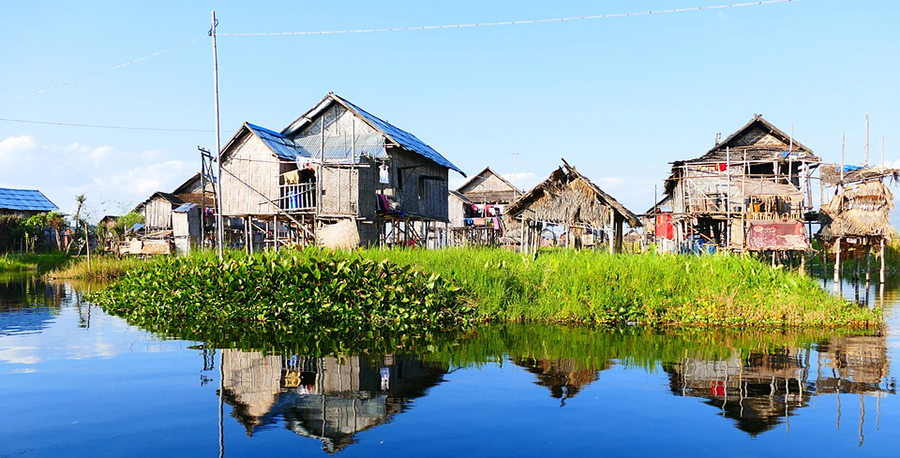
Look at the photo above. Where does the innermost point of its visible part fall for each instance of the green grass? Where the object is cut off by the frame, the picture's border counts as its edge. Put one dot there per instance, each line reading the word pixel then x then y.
pixel 24 262
pixel 584 287
pixel 100 268
pixel 598 288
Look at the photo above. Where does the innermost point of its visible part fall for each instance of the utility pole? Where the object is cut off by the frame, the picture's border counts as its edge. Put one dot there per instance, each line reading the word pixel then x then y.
pixel 220 229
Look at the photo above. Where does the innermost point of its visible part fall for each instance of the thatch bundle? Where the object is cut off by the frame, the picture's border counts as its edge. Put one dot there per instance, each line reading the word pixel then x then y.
pixel 831 174
pixel 862 210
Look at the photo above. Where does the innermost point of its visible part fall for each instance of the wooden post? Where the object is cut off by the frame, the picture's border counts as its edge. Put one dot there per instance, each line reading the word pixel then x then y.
pixel 868 262
pixel 802 263
pixel 837 265
pixel 881 272
pixel 87 243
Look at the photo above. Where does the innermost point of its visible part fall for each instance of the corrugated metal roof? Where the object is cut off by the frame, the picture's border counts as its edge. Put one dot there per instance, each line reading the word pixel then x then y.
pixel 184 208
pixel 343 147
pixel 403 138
pixel 284 147
pixel 25 199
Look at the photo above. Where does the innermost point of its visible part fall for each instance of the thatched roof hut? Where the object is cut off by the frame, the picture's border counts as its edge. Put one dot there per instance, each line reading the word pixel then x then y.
pixel 859 210
pixel 567 197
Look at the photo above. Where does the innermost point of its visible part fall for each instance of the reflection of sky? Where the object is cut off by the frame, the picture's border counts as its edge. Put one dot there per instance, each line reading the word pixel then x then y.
pixel 24 320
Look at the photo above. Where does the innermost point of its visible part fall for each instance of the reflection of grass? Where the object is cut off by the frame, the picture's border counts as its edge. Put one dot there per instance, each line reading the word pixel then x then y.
pixel 595 287
pixel 23 262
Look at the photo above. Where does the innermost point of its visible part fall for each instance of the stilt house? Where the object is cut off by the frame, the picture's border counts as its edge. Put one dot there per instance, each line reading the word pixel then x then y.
pixel 750 192
pixel 477 208
pixel 569 202
pixel 857 218
pixel 337 176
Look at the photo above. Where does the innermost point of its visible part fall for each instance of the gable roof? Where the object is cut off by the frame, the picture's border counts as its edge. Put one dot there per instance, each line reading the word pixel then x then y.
pixel 171 198
pixel 281 146
pixel 487 172
pixel 567 171
pixel 25 200
pixel 742 141
pixel 393 133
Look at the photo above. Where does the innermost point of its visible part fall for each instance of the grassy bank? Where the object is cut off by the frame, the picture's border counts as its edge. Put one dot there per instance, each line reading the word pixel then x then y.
pixel 594 287
pixel 315 287
pixel 40 262
pixel 100 268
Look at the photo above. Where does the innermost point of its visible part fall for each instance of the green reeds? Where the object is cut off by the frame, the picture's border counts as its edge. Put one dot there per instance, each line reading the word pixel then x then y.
pixel 595 287
pixel 24 262
pixel 99 268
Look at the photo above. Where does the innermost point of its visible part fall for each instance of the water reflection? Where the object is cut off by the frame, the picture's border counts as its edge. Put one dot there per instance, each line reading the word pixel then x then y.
pixel 760 390
pixel 564 377
pixel 326 398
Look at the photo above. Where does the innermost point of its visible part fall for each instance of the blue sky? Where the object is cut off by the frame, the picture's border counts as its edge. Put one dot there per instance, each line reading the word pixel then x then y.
pixel 618 98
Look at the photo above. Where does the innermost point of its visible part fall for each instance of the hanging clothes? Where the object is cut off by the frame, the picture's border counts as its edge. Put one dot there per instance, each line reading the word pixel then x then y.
pixel 384 175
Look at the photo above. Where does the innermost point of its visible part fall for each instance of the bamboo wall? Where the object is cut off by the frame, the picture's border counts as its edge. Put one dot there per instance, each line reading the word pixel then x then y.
pixel 261 172
pixel 157 213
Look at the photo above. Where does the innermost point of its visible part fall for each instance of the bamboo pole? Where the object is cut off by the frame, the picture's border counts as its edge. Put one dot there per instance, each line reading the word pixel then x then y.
pixel 837 265
pixel 881 272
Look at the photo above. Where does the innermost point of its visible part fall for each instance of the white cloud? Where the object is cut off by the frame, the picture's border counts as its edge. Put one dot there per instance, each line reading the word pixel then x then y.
pixel 11 147
pixel 522 180
pixel 109 177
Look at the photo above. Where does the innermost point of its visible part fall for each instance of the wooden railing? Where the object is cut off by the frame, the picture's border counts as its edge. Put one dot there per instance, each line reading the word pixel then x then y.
pixel 297 197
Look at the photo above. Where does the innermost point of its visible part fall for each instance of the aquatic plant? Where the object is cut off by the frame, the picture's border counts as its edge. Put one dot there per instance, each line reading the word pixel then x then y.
pixel 31 261
pixel 310 292
pixel 99 268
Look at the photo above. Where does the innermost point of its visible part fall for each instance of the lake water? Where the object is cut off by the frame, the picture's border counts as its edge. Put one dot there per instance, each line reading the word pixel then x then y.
pixel 75 381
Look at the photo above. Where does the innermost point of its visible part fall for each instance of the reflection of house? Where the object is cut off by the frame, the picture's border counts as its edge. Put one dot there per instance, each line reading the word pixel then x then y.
pixel 762 389
pixel 329 399
pixel 567 201
pixel 476 208
pixel 750 192
pixel 564 377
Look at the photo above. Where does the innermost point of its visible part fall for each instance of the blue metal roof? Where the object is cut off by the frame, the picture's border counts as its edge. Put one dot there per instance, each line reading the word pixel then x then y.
pixel 402 137
pixel 25 199
pixel 282 146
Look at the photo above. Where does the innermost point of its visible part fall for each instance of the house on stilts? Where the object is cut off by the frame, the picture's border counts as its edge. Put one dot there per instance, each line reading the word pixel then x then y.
pixel 568 209
pixel 857 218
pixel 338 176
pixel 750 193
pixel 477 207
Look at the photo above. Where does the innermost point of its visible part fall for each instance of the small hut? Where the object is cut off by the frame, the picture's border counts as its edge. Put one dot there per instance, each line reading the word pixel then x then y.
pixel 477 208
pixel 858 217
pixel 24 202
pixel 569 203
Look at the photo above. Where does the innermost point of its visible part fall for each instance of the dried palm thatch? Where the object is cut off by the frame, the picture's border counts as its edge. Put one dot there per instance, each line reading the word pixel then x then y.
pixel 861 210
pixel 831 174
pixel 568 197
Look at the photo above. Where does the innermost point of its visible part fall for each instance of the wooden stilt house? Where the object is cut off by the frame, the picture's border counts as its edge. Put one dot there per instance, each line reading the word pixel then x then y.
pixel 477 208
pixel 337 176
pixel 857 218
pixel 750 192
pixel 568 203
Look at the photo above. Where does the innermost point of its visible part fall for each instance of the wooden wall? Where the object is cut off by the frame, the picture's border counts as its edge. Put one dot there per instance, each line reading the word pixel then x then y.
pixel 157 213
pixel 261 172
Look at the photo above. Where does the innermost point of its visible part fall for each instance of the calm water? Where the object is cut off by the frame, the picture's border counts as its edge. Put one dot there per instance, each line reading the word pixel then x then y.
pixel 77 382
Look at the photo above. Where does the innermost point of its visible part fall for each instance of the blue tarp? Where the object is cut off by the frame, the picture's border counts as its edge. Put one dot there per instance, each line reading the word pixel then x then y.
pixel 850 168
pixel 25 199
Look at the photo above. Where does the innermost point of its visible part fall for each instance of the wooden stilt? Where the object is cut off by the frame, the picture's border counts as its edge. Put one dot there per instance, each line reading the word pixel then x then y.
pixel 881 272
pixel 837 265
pixel 868 263
pixel 803 263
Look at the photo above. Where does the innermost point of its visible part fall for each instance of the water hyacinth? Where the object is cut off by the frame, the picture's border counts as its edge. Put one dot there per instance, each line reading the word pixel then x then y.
pixel 308 291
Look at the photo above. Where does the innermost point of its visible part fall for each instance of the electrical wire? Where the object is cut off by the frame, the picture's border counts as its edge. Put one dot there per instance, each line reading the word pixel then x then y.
pixel 114 67
pixel 100 126
pixel 492 24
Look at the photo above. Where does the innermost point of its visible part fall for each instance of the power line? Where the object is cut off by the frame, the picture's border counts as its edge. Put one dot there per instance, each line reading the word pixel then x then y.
pixel 114 67
pixel 492 24
pixel 100 126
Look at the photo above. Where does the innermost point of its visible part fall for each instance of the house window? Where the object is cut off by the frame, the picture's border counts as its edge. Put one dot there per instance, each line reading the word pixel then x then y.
pixel 399 178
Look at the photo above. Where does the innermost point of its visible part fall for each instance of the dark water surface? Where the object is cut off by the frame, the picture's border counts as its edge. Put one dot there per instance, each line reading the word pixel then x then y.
pixel 75 381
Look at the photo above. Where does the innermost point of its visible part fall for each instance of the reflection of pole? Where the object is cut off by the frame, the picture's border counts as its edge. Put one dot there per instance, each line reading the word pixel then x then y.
pixel 221 400
pixel 862 417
